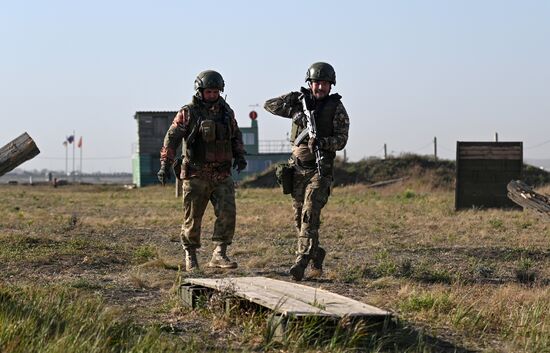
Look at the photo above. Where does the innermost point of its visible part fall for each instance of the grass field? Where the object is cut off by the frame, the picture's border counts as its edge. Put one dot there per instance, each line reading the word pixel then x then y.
pixel 92 269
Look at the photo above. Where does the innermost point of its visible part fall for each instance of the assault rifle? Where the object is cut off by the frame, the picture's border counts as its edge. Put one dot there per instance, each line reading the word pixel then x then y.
pixel 310 130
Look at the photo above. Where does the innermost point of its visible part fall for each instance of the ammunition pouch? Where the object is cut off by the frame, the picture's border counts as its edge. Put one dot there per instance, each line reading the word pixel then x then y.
pixel 208 130
pixel 327 164
pixel 285 177
pixel 209 140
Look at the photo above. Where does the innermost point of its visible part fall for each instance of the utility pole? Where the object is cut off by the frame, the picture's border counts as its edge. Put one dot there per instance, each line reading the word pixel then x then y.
pixel 496 136
pixel 66 158
pixel 80 148
pixel 74 143
pixel 435 148
pixel 385 151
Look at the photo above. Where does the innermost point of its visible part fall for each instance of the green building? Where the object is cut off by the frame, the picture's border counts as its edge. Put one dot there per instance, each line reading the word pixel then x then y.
pixel 152 126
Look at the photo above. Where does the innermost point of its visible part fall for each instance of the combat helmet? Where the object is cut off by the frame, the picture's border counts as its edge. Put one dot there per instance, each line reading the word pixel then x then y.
pixel 321 71
pixel 209 79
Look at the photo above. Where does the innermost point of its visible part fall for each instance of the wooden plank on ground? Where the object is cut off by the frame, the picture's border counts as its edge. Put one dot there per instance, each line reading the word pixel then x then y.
pixel 386 182
pixel 290 298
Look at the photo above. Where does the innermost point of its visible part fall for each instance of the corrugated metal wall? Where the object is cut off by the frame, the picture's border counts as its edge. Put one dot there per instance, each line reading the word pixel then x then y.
pixel 152 127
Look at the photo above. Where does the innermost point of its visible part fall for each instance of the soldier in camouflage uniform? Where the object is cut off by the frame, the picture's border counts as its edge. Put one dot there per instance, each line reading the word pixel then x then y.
pixel 311 188
pixel 211 141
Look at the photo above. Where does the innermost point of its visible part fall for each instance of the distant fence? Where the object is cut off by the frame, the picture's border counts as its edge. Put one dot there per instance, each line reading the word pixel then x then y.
pixel 40 178
pixel 274 146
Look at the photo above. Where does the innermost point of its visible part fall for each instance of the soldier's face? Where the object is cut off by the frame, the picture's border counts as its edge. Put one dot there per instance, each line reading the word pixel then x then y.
pixel 320 89
pixel 210 94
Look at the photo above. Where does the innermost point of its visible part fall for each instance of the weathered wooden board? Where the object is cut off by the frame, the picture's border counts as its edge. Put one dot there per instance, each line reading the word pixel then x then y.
pixel 17 151
pixel 290 299
pixel 525 196
pixel 490 152
pixel 483 169
pixel 386 182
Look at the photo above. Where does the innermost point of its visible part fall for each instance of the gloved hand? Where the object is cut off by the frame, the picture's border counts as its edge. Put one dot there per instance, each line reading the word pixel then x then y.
pixel 308 97
pixel 300 119
pixel 312 144
pixel 164 173
pixel 239 163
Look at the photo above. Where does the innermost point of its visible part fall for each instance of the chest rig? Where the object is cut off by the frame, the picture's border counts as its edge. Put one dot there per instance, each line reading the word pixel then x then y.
pixel 209 139
pixel 302 157
pixel 324 115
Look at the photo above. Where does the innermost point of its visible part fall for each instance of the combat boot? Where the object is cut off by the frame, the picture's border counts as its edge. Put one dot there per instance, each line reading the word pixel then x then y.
pixel 297 270
pixel 317 263
pixel 220 259
pixel 191 263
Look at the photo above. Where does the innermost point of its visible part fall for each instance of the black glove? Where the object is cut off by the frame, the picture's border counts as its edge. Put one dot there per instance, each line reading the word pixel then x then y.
pixel 308 97
pixel 164 173
pixel 239 163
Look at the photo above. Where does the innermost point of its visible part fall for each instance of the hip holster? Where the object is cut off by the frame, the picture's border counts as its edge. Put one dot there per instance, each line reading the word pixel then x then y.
pixel 285 177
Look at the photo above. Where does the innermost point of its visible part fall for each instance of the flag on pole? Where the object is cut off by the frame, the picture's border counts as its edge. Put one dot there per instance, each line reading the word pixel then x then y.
pixel 79 144
pixel 70 139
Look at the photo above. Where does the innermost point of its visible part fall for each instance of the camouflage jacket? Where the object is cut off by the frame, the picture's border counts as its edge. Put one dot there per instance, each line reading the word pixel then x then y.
pixel 289 106
pixel 179 131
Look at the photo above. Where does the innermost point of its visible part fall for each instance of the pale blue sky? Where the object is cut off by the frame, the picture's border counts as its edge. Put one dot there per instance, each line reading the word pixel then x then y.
pixel 407 70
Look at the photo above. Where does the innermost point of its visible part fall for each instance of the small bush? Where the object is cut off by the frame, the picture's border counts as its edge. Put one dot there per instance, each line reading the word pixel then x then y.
pixel 496 223
pixel 436 302
pixel 524 272
pixel 409 194
pixel 353 274
pixel 145 253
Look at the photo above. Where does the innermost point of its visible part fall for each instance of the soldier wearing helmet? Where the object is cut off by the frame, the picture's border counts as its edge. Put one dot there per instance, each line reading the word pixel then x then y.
pixel 211 144
pixel 312 159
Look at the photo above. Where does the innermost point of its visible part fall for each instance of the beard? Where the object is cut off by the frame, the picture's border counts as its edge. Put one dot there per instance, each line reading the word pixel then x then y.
pixel 320 94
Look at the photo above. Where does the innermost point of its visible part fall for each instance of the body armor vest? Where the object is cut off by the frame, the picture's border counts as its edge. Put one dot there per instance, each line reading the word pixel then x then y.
pixel 209 139
pixel 324 115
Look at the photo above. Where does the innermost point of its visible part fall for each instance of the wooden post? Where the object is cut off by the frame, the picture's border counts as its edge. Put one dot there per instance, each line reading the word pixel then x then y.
pixel 74 143
pixel 435 148
pixel 16 152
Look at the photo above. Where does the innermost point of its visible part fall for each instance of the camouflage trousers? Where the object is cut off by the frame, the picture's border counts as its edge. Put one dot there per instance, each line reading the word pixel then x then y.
pixel 310 194
pixel 196 194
